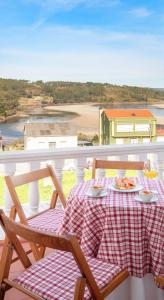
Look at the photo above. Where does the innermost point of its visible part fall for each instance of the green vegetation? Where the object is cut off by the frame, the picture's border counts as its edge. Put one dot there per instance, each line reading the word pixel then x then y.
pixel 69 180
pixel 94 139
pixel 10 92
pixel 15 95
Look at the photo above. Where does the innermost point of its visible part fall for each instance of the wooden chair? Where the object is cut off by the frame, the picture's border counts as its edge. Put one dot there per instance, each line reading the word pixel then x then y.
pixel 115 165
pixel 63 274
pixel 49 219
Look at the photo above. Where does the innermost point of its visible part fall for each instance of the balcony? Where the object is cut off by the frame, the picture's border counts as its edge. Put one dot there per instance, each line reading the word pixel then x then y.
pixel 19 162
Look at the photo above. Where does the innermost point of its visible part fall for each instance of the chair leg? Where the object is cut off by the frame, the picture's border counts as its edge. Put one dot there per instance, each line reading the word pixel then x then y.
pixel 2 294
pixel 6 259
pixel 80 288
pixel 42 251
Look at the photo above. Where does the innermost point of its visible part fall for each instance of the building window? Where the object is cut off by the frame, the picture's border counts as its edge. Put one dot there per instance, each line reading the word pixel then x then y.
pixel 52 145
pixel 142 127
pixel 125 128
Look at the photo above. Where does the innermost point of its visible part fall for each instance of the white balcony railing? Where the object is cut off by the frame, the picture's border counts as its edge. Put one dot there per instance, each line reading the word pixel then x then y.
pixel 16 162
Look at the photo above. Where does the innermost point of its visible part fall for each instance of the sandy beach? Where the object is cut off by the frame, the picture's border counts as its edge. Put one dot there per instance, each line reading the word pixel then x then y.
pixel 87 118
pixel 158 105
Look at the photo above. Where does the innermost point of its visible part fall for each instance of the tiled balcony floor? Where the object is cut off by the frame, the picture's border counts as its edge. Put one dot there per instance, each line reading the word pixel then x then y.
pixel 16 268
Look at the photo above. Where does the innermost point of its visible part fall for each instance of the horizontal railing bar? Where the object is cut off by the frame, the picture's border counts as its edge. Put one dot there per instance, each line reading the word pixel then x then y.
pixel 77 152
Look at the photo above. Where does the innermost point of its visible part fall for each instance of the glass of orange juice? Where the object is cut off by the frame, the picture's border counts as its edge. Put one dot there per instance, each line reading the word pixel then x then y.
pixel 150 169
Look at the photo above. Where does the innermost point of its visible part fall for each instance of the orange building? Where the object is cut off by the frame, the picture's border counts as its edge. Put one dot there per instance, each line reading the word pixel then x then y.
pixel 124 126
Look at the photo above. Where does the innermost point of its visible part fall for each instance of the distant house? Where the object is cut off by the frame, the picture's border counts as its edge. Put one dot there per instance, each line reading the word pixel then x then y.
pixel 160 134
pixel 124 126
pixel 49 136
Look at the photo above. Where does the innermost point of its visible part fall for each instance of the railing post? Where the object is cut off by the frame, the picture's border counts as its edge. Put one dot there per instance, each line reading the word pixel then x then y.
pixel 100 173
pixel 159 159
pixel 58 164
pixel 34 190
pixel 142 157
pixel 9 170
pixel 80 165
pixel 121 173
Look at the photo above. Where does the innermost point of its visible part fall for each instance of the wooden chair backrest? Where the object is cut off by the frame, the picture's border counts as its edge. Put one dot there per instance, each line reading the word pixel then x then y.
pixel 13 181
pixel 116 165
pixel 67 243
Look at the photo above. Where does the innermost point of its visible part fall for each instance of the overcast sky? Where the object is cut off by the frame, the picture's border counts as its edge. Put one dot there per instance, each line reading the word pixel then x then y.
pixel 114 41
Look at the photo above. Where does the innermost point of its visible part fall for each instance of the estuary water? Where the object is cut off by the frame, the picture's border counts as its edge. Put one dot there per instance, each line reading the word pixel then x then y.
pixel 13 129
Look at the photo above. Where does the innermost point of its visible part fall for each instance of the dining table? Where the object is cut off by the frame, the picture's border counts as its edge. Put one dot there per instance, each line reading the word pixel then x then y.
pixel 118 227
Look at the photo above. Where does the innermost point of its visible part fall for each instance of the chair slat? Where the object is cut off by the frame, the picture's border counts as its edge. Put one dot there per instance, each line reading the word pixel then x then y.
pixel 29 177
pixel 116 165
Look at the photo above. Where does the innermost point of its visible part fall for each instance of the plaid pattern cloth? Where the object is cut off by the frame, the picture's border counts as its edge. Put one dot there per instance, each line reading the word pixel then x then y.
pixel 54 277
pixel 49 220
pixel 118 229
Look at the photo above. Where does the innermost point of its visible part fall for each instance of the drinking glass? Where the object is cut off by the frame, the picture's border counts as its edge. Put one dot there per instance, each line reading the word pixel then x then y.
pixel 151 172
pixel 150 169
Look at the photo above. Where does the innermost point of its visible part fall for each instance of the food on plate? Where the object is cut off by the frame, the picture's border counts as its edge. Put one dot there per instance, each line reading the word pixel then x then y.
pixel 124 183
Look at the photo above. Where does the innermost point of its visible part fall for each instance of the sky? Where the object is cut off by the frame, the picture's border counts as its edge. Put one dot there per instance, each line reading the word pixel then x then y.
pixel 115 41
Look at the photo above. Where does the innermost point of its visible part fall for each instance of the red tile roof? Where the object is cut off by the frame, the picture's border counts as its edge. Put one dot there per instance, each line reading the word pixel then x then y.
pixel 128 113
pixel 160 131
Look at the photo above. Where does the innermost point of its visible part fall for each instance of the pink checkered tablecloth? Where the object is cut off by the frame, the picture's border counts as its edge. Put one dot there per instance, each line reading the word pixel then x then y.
pixel 117 228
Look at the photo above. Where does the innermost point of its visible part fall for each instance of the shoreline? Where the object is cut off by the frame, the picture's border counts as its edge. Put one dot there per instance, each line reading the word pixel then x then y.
pixel 158 105
pixel 84 117
pixel 87 118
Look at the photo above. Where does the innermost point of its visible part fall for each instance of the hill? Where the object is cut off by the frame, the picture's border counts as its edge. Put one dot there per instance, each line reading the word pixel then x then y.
pixel 21 95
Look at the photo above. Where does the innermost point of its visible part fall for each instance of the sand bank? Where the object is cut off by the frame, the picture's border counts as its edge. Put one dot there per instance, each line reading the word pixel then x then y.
pixel 158 105
pixel 87 118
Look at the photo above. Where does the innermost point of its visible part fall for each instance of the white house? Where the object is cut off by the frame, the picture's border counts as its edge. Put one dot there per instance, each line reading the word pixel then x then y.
pixel 49 136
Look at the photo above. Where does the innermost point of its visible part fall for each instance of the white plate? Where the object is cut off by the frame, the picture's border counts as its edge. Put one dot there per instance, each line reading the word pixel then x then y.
pixel 137 188
pixel 102 194
pixel 153 199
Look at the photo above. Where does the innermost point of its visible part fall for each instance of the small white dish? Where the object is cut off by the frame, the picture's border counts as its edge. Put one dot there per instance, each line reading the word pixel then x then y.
pixel 90 194
pixel 153 199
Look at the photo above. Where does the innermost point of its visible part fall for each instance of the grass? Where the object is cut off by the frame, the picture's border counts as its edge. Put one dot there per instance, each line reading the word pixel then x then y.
pixel 45 189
